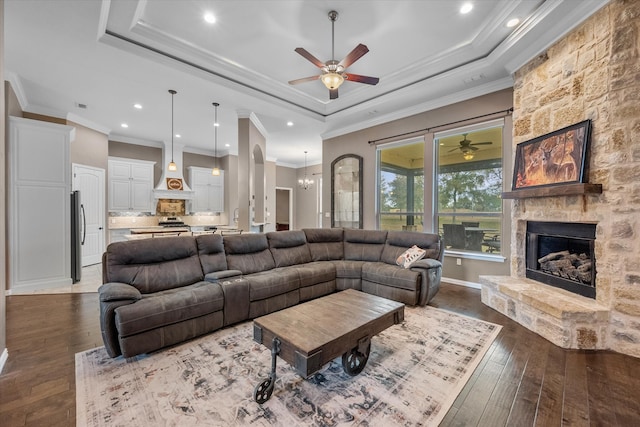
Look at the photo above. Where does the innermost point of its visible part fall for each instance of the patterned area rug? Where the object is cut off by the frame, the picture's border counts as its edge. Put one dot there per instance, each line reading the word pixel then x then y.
pixel 414 373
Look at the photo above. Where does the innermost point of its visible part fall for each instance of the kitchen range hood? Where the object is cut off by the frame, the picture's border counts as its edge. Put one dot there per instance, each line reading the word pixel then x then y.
pixel 172 184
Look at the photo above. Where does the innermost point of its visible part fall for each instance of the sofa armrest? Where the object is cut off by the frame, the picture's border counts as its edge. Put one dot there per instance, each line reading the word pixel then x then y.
pixel 216 276
pixel 431 273
pixel 236 300
pixel 112 296
pixel 116 291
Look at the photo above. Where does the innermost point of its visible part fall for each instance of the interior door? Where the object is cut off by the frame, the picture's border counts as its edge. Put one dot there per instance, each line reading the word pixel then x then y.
pixel 90 182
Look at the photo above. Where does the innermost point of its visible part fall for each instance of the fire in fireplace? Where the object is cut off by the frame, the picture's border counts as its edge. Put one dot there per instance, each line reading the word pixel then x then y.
pixel 562 255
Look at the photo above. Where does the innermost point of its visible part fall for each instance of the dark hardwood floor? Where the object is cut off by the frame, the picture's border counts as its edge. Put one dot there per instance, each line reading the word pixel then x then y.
pixel 523 380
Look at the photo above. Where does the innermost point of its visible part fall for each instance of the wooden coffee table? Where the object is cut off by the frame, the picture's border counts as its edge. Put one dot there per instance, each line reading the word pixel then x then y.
pixel 309 335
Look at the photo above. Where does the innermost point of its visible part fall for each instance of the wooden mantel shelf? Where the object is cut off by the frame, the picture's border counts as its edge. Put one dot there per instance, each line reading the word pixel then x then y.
pixel 553 191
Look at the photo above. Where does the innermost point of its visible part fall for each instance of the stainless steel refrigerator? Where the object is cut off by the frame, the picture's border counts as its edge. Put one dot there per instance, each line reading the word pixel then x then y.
pixel 78 230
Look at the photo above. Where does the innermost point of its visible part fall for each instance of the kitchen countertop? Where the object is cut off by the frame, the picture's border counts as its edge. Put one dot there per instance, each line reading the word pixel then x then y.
pixel 159 230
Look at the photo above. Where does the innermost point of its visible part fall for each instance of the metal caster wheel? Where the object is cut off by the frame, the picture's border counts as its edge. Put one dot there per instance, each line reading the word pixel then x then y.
pixel 263 391
pixel 354 361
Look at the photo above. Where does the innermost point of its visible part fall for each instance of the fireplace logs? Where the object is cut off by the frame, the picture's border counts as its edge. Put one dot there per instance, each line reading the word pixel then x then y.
pixel 567 265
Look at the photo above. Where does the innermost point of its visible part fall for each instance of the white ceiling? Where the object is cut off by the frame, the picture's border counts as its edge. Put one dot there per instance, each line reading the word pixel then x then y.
pixel 110 54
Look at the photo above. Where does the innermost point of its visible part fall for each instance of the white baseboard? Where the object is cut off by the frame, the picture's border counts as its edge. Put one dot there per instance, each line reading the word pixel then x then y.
pixel 3 358
pixel 462 283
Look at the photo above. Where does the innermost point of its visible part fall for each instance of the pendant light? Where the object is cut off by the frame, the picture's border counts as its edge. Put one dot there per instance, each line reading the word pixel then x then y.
pixel 172 165
pixel 216 169
pixel 305 182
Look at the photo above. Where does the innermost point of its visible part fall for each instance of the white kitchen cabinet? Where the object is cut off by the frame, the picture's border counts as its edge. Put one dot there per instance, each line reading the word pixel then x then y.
pixel 130 185
pixel 39 204
pixel 118 234
pixel 208 190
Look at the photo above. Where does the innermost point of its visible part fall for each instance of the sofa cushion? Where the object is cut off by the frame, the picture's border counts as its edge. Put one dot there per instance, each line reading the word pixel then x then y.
pixel 364 245
pixel 288 247
pixel 348 269
pixel 274 282
pixel 325 243
pixel 399 241
pixel 153 265
pixel 391 275
pixel 169 307
pixel 211 252
pixel 248 253
pixel 316 272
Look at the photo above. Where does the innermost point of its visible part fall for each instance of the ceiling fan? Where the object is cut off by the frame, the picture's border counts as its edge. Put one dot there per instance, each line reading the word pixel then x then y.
pixel 467 147
pixel 333 72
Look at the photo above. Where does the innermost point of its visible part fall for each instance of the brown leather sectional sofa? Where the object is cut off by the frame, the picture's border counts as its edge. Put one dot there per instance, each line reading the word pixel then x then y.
pixel 159 292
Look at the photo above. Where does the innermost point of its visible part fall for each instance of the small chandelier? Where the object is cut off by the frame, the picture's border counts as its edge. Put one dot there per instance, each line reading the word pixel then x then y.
pixel 216 169
pixel 305 182
pixel 172 165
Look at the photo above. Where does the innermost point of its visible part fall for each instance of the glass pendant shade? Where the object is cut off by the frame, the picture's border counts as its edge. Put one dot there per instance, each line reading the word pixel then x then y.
pixel 332 80
pixel 172 166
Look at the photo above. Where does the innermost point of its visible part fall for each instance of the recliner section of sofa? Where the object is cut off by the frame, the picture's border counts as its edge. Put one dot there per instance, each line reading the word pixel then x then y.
pixel 155 295
pixel 159 292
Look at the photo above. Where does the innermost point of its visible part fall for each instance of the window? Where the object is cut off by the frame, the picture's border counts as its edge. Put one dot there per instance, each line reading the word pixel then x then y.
pixel 401 185
pixel 467 187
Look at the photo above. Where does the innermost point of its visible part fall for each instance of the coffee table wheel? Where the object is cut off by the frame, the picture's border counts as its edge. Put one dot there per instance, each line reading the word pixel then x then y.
pixel 263 391
pixel 354 361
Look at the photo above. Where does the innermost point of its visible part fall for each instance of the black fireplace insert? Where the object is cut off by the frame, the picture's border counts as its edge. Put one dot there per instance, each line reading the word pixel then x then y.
pixel 562 254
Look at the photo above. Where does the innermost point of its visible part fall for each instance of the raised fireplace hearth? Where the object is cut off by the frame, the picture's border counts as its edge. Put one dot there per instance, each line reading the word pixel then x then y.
pixel 562 254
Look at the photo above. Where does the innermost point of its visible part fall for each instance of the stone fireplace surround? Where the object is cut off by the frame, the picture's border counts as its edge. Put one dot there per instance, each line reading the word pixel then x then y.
pixel 589 74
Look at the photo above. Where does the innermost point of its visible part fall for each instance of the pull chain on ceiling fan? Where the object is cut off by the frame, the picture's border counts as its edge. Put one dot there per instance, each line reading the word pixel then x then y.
pixel 333 72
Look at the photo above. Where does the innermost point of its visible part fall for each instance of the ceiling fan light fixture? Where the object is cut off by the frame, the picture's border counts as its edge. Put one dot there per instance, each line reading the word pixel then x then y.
pixel 468 155
pixel 332 80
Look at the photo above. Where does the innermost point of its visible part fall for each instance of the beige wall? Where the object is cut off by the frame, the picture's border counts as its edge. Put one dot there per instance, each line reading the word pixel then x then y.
pixel 12 106
pixel 306 202
pixel 90 148
pixel 592 73
pixel 358 143
pixel 3 192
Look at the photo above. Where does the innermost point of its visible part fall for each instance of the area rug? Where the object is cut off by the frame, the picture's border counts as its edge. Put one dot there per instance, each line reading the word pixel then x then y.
pixel 415 371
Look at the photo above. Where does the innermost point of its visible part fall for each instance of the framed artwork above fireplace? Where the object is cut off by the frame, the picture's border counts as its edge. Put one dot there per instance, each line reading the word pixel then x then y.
pixel 557 158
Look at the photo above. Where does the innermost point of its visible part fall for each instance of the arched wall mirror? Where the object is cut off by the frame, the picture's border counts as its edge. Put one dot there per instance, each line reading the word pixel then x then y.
pixel 346 191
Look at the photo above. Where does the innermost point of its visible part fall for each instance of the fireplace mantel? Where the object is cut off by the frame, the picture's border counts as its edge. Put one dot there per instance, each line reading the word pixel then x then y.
pixel 554 191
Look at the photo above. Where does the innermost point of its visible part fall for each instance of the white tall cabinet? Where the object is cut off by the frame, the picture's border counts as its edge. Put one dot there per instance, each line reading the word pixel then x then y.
pixel 130 185
pixel 39 213
pixel 208 190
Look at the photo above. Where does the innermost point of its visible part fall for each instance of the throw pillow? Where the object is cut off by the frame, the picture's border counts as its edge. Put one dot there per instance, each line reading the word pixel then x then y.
pixel 410 256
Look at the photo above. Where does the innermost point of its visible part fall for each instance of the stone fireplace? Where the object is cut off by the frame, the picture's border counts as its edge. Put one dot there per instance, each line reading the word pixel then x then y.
pixel 589 74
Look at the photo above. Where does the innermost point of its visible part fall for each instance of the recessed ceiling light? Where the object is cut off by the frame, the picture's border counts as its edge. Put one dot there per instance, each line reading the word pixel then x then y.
pixel 124 125
pixel 227 145
pixel 513 22
pixel 289 124
pixel 466 8
pixel 137 106
pixel 216 124
pixel 210 18
pixel 178 135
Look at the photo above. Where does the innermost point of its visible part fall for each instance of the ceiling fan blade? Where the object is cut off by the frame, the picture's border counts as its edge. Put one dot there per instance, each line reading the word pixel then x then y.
pixel 454 149
pixel 333 94
pixel 315 61
pixel 354 55
pixel 304 80
pixel 481 143
pixel 361 79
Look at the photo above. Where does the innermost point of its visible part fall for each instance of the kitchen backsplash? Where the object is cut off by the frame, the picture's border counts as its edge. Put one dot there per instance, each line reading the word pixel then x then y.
pixel 137 219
